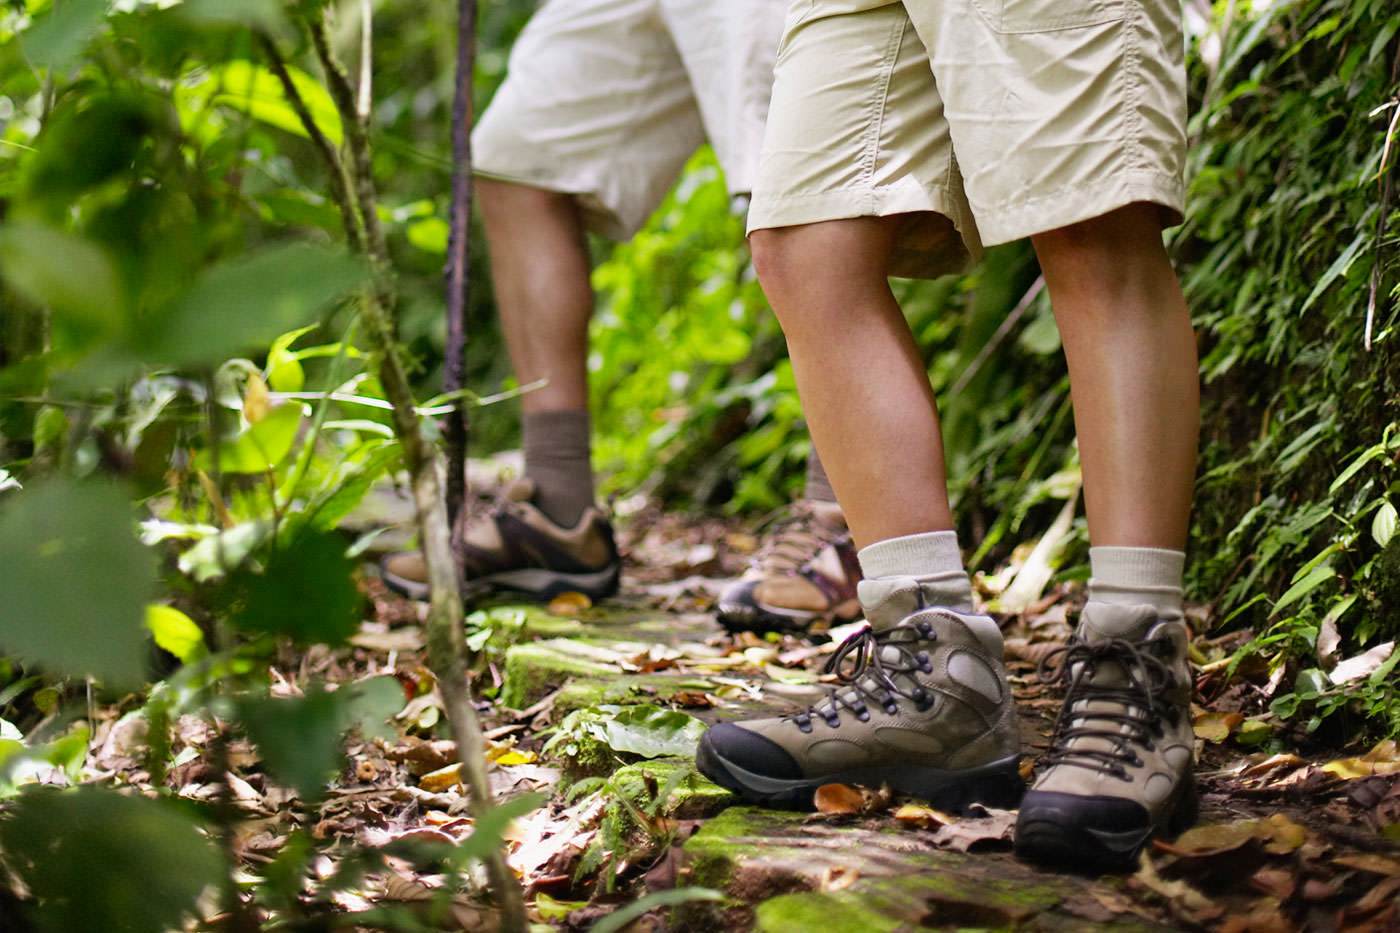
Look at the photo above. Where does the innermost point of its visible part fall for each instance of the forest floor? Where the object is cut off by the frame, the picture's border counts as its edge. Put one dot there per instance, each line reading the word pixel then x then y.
pixel 597 709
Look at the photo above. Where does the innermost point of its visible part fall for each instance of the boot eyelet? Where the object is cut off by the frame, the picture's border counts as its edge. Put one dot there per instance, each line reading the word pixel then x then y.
pixel 805 727
pixel 891 707
pixel 834 720
pixel 863 715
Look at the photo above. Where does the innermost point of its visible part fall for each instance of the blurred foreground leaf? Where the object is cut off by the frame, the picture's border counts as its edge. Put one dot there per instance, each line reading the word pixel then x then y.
pixel 76 581
pixel 99 861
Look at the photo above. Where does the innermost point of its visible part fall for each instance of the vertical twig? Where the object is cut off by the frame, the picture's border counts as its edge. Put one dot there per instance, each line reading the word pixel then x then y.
pixel 458 271
pixel 447 648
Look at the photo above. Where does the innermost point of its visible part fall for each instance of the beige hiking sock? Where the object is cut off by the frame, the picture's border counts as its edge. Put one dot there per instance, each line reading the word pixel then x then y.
pixel 932 560
pixel 558 458
pixel 1137 576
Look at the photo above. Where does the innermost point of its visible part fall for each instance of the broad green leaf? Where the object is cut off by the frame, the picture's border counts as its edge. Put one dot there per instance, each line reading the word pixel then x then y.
pixel 429 235
pixel 256 91
pixel 76 581
pixel 223 551
pixel 284 369
pixel 99 861
pixel 1383 524
pixel 298 737
pixel 71 276
pixel 56 39
pixel 307 592
pixel 373 703
pixel 651 731
pixel 260 447
pixel 248 302
pixel 1310 581
pixel 175 632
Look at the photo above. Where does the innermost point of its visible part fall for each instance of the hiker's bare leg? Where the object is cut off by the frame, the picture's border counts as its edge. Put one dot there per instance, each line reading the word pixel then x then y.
pixel 1133 372
pixel 544 292
pixel 865 392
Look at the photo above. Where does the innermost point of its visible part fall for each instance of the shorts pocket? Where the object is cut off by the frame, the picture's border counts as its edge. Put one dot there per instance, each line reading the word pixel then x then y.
pixel 1011 16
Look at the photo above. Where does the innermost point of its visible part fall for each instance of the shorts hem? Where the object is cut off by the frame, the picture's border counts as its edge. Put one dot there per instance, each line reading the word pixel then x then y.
pixel 1075 203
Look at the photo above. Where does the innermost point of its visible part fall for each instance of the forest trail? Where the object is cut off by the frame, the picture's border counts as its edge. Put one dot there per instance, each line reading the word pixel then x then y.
pixel 596 707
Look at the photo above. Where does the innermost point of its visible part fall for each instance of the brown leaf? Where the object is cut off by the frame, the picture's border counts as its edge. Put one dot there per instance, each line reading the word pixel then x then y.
pixel 922 817
pixel 1364 861
pixel 1274 882
pixel 838 798
pixel 442 779
pixel 692 699
pixel 963 834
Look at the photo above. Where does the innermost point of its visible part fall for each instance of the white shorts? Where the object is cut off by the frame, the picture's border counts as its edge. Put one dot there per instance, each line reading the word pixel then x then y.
pixel 985 120
pixel 607 99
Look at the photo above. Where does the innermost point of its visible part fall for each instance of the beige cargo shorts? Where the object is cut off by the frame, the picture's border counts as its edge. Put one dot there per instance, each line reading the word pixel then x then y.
pixel 985 120
pixel 608 99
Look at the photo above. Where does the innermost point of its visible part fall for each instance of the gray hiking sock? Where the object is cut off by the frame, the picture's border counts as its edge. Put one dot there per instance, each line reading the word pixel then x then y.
pixel 558 458
pixel 818 486
pixel 1137 576
pixel 931 560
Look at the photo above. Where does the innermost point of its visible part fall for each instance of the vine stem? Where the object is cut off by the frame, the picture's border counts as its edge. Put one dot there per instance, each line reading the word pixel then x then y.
pixel 448 652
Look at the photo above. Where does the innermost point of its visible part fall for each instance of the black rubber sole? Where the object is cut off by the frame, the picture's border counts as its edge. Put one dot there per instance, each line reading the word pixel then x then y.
pixel 1096 833
pixel 536 585
pixel 997 784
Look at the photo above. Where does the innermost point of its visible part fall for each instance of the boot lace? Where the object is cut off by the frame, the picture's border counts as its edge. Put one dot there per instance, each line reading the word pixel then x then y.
pixel 1102 725
pixel 868 671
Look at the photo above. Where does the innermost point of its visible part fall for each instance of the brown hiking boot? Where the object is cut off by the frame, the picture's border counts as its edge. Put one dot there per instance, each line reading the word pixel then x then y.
pixel 517 548
pixel 925 709
pixel 1119 767
pixel 806 573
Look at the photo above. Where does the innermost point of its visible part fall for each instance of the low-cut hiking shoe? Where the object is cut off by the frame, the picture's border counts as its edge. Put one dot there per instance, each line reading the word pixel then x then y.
pixel 1119 768
pixel 805 573
pixel 925 709
pixel 517 548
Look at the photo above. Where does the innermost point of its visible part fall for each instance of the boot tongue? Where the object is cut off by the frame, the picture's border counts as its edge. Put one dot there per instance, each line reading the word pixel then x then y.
pixel 1105 621
pixel 888 601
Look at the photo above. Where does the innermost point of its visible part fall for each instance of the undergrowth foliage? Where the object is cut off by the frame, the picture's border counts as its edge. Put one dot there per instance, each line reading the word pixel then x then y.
pixel 1293 271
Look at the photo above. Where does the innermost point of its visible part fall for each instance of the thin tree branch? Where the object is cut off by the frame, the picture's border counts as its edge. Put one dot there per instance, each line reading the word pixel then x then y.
pixel 458 271
pixel 335 168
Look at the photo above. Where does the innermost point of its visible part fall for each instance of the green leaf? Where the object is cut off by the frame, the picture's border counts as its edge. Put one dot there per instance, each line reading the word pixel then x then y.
pixel 307 592
pixel 373 704
pixel 256 91
pixel 248 302
pixel 223 551
pixel 175 632
pixel 259 447
pixel 1310 581
pixel 76 580
pixel 71 276
pixel 98 861
pixel 1383 524
pixel 298 737
pixel 56 40
pixel 621 917
pixel 651 731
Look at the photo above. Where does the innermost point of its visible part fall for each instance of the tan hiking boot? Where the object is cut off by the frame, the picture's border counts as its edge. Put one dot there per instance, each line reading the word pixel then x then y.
pixel 517 548
pixel 805 573
pixel 1119 767
pixel 925 709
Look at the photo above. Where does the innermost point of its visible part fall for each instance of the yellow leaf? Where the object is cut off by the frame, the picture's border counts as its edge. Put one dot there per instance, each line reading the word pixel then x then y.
pixel 442 779
pixel 569 603
pixel 1216 727
pixel 921 816
pixel 256 402
pixel 511 756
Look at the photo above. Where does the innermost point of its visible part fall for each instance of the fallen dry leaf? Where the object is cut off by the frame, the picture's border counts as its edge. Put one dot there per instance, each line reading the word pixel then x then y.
pixel 922 817
pixel 838 798
pixel 441 779
pixel 1216 727
pixel 1365 861
pixel 961 835
pixel 569 603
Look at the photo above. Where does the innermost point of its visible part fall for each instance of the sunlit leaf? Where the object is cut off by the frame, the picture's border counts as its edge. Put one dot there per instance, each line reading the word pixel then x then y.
pixel 838 799
pixel 260 447
pixel 652 732
pixel 256 91
pixel 174 631
pixel 56 40
pixel 256 403
pixel 76 580
pixel 1216 727
pixel 1383 524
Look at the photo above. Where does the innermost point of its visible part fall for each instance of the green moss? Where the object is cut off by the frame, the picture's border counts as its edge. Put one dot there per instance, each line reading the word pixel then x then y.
pixel 691 795
pixel 829 912
pixel 531 670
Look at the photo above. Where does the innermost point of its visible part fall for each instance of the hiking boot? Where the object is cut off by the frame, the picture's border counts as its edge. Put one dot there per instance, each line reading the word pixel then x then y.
pixel 1119 767
pixel 806 573
pixel 517 548
pixel 925 709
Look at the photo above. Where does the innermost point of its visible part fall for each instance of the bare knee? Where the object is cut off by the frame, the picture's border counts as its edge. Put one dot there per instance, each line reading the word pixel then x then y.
pixel 822 261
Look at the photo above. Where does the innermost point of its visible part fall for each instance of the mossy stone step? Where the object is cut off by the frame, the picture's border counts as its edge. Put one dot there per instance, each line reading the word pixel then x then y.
pixel 789 872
